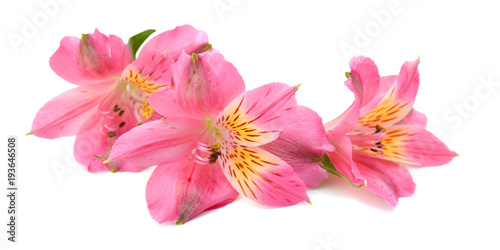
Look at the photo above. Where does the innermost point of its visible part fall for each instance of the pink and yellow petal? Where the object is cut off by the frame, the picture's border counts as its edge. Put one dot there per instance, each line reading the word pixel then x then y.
pixel 398 101
pixel 148 74
pixel 180 190
pixel 256 117
pixel 414 146
pixel 95 59
pixel 302 145
pixel 261 176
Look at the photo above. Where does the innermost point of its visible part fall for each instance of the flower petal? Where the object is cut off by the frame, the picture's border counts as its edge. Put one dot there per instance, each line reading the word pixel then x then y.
pixel 347 120
pixel 365 78
pixel 115 118
pixel 398 102
pixel 414 146
pixel 302 146
pixel 178 191
pixel 256 117
pixel 385 179
pixel 342 160
pixel 65 113
pixel 204 85
pixel 92 143
pixel 261 176
pixel 175 41
pixel 157 142
pixel 148 74
pixel 93 59
pixel 414 118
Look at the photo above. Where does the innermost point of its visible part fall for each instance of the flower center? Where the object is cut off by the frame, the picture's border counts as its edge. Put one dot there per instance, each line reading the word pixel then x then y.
pixel 207 149
pixel 368 142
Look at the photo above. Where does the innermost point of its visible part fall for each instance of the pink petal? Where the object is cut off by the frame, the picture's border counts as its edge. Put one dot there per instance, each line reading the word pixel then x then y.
pixel 364 82
pixel 256 117
pixel 65 113
pixel 178 191
pixel 342 160
pixel 115 118
pixel 302 145
pixel 414 118
pixel 94 59
pixel 347 120
pixel 204 85
pixel 385 179
pixel 175 41
pixel 408 81
pixel 414 146
pixel 365 78
pixel 91 144
pixel 386 84
pixel 157 142
pixel 261 176
pixel 398 101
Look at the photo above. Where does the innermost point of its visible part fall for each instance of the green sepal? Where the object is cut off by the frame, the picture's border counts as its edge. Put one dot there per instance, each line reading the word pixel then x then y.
pixel 328 166
pixel 135 42
pixel 102 157
pixel 203 48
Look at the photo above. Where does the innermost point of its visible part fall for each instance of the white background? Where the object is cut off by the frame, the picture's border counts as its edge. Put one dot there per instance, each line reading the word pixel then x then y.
pixel 455 206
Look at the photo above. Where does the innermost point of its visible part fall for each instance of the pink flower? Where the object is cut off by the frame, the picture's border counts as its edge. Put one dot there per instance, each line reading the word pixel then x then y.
pixel 112 92
pixel 381 132
pixel 216 141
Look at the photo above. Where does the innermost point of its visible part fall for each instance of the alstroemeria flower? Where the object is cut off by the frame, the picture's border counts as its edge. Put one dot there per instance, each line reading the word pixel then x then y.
pixel 112 92
pixel 216 141
pixel 381 132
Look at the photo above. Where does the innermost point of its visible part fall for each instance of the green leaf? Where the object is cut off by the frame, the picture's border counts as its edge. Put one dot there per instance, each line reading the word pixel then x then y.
pixel 135 42
pixel 328 166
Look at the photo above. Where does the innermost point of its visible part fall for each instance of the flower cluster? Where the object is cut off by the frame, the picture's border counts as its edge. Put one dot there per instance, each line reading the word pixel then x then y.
pixel 180 106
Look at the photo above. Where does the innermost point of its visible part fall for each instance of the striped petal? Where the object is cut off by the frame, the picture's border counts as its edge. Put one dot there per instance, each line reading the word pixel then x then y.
pixel 411 145
pixel 398 101
pixel 148 74
pixel 256 117
pixel 261 176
